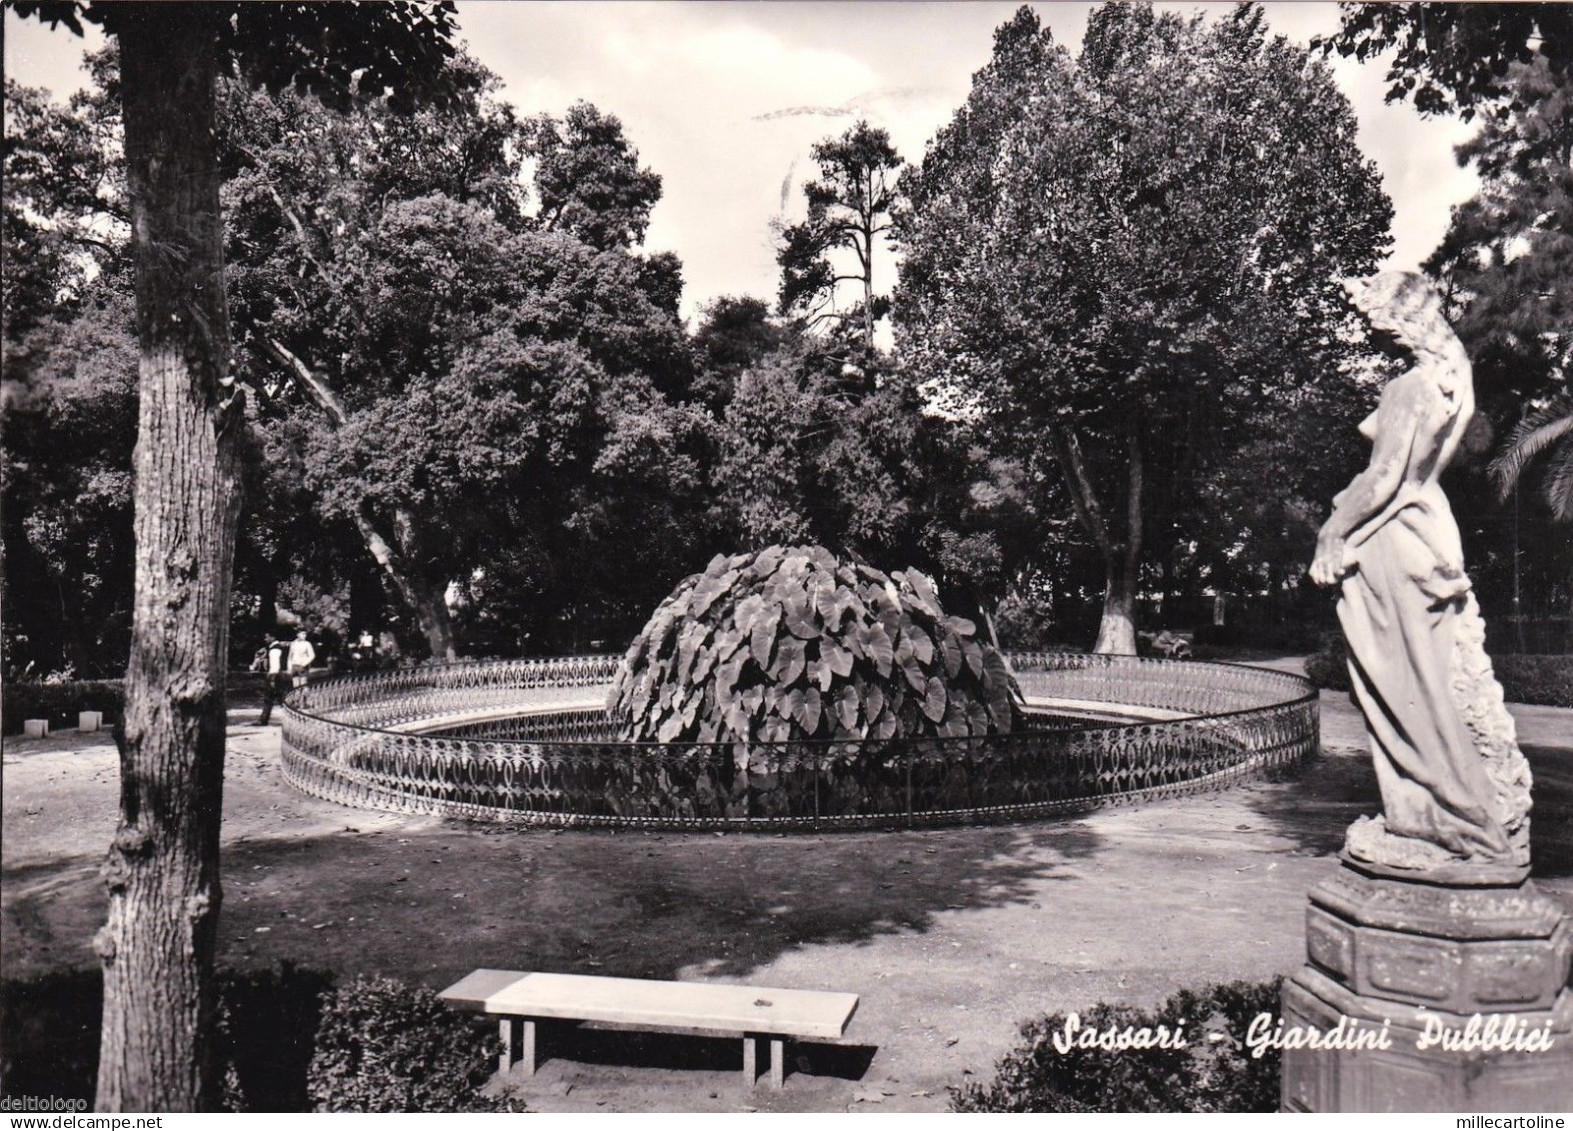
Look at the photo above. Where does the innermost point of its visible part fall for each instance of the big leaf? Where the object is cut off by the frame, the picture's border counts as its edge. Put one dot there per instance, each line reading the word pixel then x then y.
pixel 762 634
pixel 797 613
pixel 974 653
pixel 934 699
pixel 950 650
pixel 811 710
pixel 873 702
pixel 789 661
pixel 878 646
pixel 847 707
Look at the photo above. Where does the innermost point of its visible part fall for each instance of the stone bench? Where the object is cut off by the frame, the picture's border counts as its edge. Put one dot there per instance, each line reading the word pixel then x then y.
pixel 749 1012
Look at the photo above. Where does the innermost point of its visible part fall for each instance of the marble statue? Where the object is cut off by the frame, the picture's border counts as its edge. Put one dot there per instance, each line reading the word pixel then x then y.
pixel 1455 787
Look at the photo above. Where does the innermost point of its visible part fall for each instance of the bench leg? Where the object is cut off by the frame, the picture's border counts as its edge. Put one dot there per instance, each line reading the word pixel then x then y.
pixel 778 1064
pixel 750 1061
pixel 508 1031
pixel 518 1043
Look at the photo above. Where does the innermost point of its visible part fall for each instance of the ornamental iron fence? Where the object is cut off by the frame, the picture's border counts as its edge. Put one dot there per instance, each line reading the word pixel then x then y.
pixel 530 741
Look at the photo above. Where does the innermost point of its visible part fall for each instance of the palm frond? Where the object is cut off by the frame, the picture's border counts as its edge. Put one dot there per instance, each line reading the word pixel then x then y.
pixel 1538 430
pixel 1559 482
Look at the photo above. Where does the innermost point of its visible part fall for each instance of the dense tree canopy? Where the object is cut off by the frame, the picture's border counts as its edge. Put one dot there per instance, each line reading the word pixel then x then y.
pixel 1121 259
pixel 1506 263
pixel 1452 57
pixel 463 378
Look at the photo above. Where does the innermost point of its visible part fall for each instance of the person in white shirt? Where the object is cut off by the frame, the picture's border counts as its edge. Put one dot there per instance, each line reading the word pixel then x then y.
pixel 271 660
pixel 301 657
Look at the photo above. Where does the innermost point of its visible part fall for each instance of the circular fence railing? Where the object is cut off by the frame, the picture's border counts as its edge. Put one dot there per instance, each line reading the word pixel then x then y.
pixel 530 741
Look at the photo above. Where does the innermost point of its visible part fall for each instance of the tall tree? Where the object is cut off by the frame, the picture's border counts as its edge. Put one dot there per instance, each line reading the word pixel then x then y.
pixel 157 947
pixel 1507 265
pixel 449 373
pixel 1507 259
pixel 1117 258
pixel 588 179
pixel 848 212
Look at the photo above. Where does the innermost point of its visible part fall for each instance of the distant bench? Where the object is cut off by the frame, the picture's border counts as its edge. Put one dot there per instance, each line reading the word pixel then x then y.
pixel 750 1012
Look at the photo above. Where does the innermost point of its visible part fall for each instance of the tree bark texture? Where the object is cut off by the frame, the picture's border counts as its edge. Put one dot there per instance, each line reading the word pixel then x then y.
pixel 1121 557
pixel 162 870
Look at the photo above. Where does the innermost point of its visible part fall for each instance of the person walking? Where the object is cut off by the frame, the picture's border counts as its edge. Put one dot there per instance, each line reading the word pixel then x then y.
pixel 271 660
pixel 301 656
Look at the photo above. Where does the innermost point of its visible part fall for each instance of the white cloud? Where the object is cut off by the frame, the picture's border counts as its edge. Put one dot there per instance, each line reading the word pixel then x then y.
pixel 691 82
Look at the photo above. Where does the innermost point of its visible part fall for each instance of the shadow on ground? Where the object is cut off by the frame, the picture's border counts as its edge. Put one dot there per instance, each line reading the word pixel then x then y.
pixel 584 1044
pixel 1324 798
pixel 447 899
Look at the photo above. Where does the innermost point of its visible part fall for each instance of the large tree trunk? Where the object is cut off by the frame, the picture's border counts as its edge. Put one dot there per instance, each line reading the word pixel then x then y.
pixel 425 600
pixel 1121 557
pixel 162 870
pixel 1117 628
pixel 421 597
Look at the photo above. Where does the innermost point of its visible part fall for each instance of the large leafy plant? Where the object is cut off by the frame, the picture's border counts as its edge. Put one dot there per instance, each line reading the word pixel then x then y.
pixel 792 643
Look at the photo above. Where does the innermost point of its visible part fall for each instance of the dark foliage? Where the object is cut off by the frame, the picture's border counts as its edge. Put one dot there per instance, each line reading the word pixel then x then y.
pixel 1543 680
pixel 1206 1075
pixel 1455 57
pixel 60 702
pixel 288 1040
pixel 385 1046
pixel 49 1029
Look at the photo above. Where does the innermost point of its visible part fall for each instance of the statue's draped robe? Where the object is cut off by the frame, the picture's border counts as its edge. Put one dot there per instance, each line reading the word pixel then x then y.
pixel 1400 611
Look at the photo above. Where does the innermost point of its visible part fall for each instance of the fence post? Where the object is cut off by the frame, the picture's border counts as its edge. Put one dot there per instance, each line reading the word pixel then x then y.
pixel 816 787
pixel 909 784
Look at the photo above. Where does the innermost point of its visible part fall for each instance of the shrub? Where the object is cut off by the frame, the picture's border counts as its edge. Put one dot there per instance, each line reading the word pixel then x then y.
pixel 791 643
pixel 1544 680
pixel 286 1041
pixel 49 1031
pixel 1205 1075
pixel 1329 669
pixel 267 1024
pixel 60 702
pixel 384 1046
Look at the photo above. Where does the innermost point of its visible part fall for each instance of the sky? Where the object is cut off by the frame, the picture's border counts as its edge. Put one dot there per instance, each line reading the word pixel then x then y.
pixel 724 98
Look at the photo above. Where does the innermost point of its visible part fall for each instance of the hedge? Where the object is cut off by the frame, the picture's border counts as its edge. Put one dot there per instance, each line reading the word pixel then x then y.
pixel 1542 680
pixel 61 702
pixel 1205 1075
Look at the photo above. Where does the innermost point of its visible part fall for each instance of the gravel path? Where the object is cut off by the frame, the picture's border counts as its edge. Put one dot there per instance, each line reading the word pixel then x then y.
pixel 951 937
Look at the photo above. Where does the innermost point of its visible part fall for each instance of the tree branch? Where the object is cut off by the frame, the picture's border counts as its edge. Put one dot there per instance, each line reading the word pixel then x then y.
pixel 313 386
pixel 1083 497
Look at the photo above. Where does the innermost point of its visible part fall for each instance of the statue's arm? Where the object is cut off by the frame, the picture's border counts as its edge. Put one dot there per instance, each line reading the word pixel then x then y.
pixel 1397 420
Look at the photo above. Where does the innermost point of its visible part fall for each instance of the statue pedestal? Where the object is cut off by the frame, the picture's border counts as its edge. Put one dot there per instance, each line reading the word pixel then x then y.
pixel 1467 987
